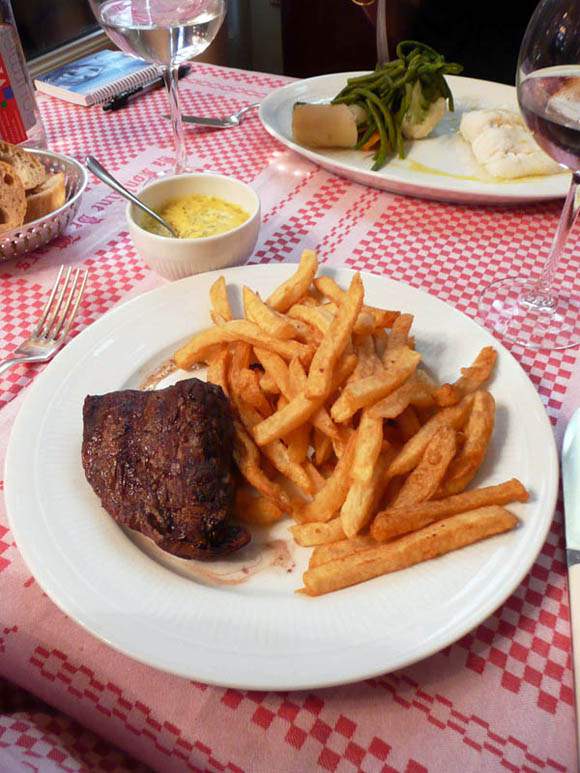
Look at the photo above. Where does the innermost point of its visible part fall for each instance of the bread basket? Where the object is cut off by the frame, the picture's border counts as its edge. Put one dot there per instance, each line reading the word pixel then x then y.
pixel 31 236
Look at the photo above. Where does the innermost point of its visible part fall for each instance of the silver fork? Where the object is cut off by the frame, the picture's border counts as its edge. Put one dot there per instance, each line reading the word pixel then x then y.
pixel 55 321
pixel 218 123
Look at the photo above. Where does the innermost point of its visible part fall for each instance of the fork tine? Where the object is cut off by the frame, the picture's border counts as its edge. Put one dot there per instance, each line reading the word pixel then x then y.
pixel 53 317
pixel 59 324
pixel 76 304
pixel 45 311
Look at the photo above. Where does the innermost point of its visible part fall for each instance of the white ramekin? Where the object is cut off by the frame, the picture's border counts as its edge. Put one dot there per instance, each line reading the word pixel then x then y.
pixel 176 258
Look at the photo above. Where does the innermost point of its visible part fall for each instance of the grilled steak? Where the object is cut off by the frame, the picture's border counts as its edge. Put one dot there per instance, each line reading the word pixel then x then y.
pixel 161 463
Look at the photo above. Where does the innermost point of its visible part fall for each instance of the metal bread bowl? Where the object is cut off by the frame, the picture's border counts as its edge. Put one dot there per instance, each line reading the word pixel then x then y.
pixel 30 236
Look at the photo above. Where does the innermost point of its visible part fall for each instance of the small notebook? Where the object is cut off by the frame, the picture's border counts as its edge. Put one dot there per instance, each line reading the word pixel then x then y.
pixel 96 78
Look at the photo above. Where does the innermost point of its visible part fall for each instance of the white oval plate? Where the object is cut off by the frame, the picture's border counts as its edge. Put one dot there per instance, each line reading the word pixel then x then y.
pixel 259 634
pixel 440 167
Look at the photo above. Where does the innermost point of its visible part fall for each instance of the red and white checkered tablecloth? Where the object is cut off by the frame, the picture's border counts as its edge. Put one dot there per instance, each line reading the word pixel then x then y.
pixel 500 698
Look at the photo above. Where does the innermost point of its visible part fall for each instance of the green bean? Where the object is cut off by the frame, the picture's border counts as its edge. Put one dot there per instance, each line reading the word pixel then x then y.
pixel 381 155
pixel 387 94
pixel 367 135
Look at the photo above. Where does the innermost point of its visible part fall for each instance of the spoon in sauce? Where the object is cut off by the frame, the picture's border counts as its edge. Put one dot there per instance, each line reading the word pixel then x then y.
pixel 99 171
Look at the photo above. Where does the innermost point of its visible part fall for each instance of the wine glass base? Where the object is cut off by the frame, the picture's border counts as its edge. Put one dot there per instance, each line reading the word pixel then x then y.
pixel 508 307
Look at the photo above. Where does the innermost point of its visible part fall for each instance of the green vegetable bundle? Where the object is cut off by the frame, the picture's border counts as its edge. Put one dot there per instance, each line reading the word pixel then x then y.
pixel 406 86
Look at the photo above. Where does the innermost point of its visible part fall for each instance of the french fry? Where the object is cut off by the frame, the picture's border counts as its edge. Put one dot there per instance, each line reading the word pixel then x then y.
pixel 367 391
pixel 243 330
pixel 317 479
pixel 275 451
pixel 247 458
pixel 366 475
pixel 478 433
pixel 286 419
pixel 395 521
pixel 217 372
pixel 422 483
pixel 315 316
pixel 368 361
pixel 220 305
pixel 400 332
pixel 343 370
pixel 305 333
pixel 298 443
pixel 202 345
pixel 322 448
pixel 392 488
pixel 330 289
pixel 408 423
pixel 380 338
pixel 368 447
pixel 394 404
pixel 300 408
pixel 365 322
pixel 309 299
pixel 248 384
pixel 340 443
pixel 270 321
pixel 471 378
pixel 275 367
pixel 423 398
pixel 322 554
pixel 334 342
pixel 363 497
pixel 294 288
pixel 256 510
pixel 427 543
pixel 239 360
pixel 321 419
pixel 310 534
pixel 268 385
pixel 411 453
pixel 328 501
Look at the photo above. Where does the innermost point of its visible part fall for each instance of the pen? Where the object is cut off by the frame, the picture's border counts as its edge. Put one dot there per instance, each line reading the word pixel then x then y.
pixel 124 97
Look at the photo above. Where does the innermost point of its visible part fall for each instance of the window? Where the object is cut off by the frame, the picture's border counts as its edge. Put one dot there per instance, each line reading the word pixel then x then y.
pixel 44 26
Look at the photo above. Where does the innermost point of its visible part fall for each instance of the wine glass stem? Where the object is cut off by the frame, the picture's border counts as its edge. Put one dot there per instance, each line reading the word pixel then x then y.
pixel 171 77
pixel 543 290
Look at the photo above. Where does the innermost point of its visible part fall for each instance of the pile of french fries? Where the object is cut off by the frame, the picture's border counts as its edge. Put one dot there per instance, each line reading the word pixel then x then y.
pixel 339 427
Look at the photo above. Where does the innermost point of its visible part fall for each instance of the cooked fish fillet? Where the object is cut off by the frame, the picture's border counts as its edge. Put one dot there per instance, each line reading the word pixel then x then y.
pixel 476 122
pixel 503 146
pixel 565 103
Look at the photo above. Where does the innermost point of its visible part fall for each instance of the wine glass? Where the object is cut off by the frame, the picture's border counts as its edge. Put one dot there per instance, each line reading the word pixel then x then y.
pixel 166 33
pixel 532 311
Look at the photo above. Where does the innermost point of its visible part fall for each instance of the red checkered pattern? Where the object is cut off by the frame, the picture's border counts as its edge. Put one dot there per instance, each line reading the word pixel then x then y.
pixel 499 699
pixel 114 271
pixel 528 639
pixel 137 718
pixel 44 742
pixel 452 252
pixel 284 241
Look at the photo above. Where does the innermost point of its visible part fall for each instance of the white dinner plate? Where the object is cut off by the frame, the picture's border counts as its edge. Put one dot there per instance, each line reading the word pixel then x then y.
pixel 440 167
pixel 258 634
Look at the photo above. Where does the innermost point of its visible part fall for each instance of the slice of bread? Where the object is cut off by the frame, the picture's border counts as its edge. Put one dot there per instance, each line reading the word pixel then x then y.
pixel 45 198
pixel 27 166
pixel 12 199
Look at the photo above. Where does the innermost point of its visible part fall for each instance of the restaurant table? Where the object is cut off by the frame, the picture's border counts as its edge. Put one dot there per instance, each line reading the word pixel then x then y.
pixel 500 698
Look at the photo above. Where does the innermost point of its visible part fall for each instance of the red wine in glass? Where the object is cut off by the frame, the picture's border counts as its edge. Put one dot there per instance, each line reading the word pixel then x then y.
pixel 535 310
pixel 550 103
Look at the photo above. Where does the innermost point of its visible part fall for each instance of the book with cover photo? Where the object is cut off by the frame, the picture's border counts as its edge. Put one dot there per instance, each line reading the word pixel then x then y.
pixel 96 78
